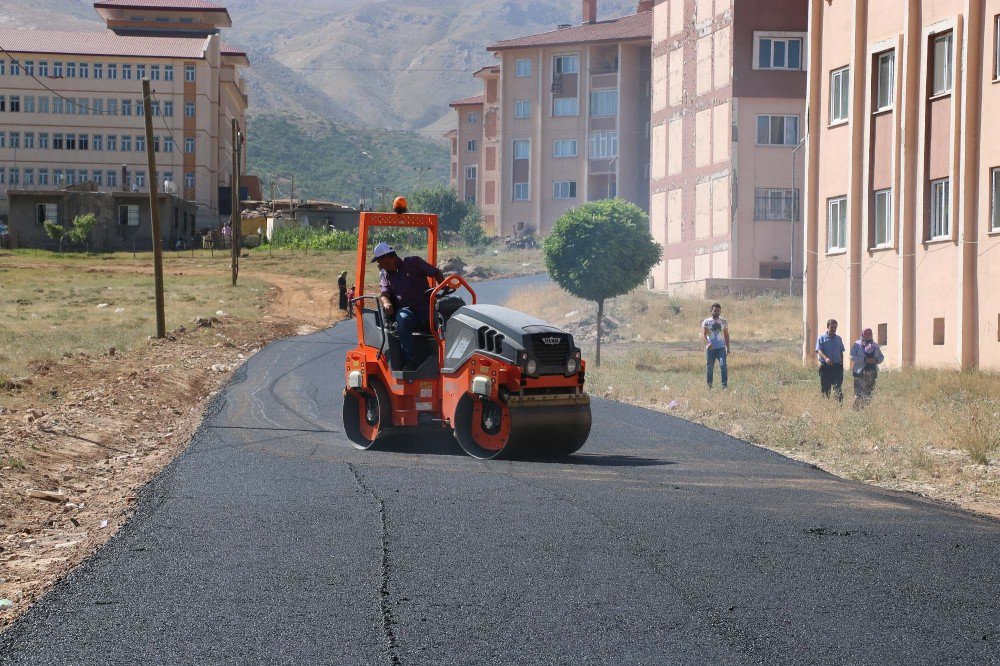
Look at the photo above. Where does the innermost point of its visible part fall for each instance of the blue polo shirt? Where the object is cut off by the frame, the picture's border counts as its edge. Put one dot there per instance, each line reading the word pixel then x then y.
pixel 832 346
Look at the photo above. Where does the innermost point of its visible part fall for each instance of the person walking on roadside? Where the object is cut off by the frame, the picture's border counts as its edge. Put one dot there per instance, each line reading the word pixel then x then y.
pixel 866 356
pixel 350 297
pixel 715 333
pixel 830 354
pixel 342 289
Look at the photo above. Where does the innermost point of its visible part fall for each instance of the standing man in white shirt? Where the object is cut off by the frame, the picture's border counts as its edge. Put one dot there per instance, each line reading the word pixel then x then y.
pixel 715 333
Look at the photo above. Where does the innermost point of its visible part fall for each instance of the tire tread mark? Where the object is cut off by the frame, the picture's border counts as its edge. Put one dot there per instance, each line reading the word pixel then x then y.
pixel 388 617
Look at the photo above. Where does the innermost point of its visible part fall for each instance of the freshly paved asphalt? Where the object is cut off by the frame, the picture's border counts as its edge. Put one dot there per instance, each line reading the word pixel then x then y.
pixel 272 540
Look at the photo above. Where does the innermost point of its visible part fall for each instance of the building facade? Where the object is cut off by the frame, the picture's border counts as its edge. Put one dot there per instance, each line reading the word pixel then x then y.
pixel 904 177
pixel 467 149
pixel 729 85
pixel 567 120
pixel 71 102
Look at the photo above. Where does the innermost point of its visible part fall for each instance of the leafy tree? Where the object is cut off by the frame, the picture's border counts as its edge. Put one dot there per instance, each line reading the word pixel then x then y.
pixel 601 250
pixel 55 231
pixel 471 231
pixel 80 231
pixel 443 202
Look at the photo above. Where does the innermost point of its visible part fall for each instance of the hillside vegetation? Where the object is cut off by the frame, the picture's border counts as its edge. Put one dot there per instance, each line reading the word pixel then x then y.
pixel 328 163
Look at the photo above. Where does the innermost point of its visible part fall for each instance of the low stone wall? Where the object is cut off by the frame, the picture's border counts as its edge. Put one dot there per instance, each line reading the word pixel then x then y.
pixel 720 288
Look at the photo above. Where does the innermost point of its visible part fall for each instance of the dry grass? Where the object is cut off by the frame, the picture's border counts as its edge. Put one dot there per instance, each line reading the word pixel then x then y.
pixel 933 431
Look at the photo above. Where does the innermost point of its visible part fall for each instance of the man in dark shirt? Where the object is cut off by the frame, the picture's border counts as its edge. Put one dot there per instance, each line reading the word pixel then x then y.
pixel 404 283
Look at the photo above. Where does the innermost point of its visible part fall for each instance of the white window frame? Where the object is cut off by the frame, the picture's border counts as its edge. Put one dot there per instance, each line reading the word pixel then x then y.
pixel 472 118
pixel 522 192
pixel 882 218
pixel 522 108
pixel 948 64
pixel 995 199
pixel 785 142
pixel 840 95
pixel 129 213
pixel 996 48
pixel 560 104
pixel 889 87
pixel 566 56
pixel 602 145
pixel 940 208
pixel 602 98
pixel 780 37
pixel 521 142
pixel 565 143
pixel 470 146
pixel 564 189
pixel 473 170
pixel 836 229
pixel 522 68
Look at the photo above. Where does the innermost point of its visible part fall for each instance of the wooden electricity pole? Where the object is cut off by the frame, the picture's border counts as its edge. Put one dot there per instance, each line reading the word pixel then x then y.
pixel 154 209
pixel 235 217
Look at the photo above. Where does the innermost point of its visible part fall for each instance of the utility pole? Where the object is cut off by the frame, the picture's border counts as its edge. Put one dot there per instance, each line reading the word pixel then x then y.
pixel 234 234
pixel 291 198
pixel 795 218
pixel 154 210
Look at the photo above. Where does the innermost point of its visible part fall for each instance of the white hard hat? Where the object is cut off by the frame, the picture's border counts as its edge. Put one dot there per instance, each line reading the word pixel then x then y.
pixel 381 250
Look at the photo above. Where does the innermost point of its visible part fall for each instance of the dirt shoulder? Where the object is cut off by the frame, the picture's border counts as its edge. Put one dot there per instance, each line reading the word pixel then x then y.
pixel 81 435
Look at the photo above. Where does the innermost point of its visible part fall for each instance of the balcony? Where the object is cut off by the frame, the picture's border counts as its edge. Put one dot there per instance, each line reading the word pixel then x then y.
pixel 776 205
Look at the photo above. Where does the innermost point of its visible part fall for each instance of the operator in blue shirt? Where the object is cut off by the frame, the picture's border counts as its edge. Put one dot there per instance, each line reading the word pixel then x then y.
pixel 830 354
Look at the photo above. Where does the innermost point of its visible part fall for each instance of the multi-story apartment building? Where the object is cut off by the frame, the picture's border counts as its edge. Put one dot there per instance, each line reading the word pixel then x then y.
pixel 729 84
pixel 903 183
pixel 567 117
pixel 467 149
pixel 71 102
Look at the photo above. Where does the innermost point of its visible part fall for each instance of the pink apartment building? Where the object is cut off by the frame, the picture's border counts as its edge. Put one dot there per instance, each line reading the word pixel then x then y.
pixel 729 86
pixel 903 180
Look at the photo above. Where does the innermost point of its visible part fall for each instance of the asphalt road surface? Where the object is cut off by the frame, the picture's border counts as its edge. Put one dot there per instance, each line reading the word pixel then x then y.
pixel 272 540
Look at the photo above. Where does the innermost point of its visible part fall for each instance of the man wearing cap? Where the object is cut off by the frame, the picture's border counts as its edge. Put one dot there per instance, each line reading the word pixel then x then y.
pixel 404 285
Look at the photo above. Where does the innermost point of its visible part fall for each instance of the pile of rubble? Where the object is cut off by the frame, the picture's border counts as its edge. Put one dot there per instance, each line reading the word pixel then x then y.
pixel 585 329
pixel 455 266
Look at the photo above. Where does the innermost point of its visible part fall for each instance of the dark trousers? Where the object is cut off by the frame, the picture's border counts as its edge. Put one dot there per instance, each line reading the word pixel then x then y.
pixel 407 321
pixel 831 378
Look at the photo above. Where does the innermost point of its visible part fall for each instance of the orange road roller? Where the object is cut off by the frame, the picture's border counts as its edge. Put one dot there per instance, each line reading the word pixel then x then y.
pixel 505 383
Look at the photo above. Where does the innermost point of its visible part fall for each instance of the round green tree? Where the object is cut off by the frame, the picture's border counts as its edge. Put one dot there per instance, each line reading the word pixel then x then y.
pixel 601 250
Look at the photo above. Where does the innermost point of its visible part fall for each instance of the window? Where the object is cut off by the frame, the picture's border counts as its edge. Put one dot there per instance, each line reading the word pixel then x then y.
pixel 603 145
pixel 15 68
pixel 943 64
pixel 83 106
pixel 189 179
pixel 112 143
pixel 112 107
pixel 43 104
pixel 154 108
pixel 84 71
pixel 43 176
pixel 112 71
pixel 46 211
pixel 471 146
pixel 940 208
pixel 565 106
pixel 472 118
pixel 112 178
pixel 98 70
pixel 43 140
pixel 140 179
pixel 522 68
pixel 520 191
pixel 43 68
pixel 168 72
pixel 995 199
pixel 779 53
pixel 126 107
pixel 604 103
pixel 71 70
pixel 471 173
pixel 97 177
pixel 154 72
pixel 140 144
pixel 128 215
pixel 71 142
pixel 168 144
pixel 3 67
pixel 57 70
pixel 168 109
pixel 775 204
pixel 777 130
pixel 156 144
pixel 97 142
pixel 189 109
pixel 29 104
pixel 836 224
pixel 939 331
pixel 522 108
pixel 15 140
pixel 57 176
pixel 29 176
pixel 139 108
pixel 839 94
pixel 189 73
pixel 126 71
pixel 3 170
pixel 189 144
pixel 15 103
pixel 883 218
pixel 98 106
pixel 126 144
pixel 566 64
pixel 3 102
pixel 83 142
pixel 522 150
pixel 58 105
pixel 15 176
pixel 564 189
pixel 140 71
pixel 564 148
pixel 29 67
pixel 57 141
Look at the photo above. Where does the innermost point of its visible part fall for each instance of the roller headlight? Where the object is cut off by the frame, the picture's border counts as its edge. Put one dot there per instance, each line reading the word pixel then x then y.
pixel 532 367
pixel 571 366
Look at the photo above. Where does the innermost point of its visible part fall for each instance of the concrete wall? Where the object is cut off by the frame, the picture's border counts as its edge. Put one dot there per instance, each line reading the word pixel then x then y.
pixel 177 219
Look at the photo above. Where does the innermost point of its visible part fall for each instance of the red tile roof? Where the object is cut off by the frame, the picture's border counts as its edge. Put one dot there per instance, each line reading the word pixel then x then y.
pixel 634 27
pixel 469 101
pixel 166 5
pixel 63 42
pixel 226 49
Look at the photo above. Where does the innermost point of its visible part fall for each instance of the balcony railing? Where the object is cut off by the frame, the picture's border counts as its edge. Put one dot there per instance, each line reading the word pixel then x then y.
pixel 776 205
